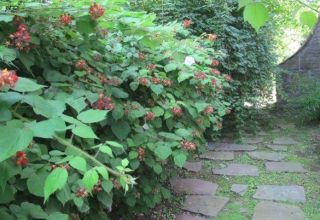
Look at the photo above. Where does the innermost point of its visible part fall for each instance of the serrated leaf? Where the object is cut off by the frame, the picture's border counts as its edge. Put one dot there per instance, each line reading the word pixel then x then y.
pixel 121 129
pixel 90 179
pixel 107 150
pixel 84 131
pixel 77 104
pixel 103 172
pixel 170 67
pixel 157 89
pixel 243 3
pixel 183 76
pixel 92 116
pixel 26 85
pixel 55 181
pixel 79 163
pixel 163 152
pixel 256 14
pixel 180 160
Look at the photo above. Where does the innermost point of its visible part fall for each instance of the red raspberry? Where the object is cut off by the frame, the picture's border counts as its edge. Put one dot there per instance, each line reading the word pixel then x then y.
pixel 209 110
pixel 228 78
pixel 214 82
pixel 143 81
pixel 141 152
pixel 103 79
pixel 81 65
pixel 113 82
pixel 200 76
pixel 167 82
pixel 21 159
pixel 141 56
pixel 8 78
pixel 187 23
pixel 215 71
pixel 104 32
pixel 98 187
pixel 152 67
pixel 177 111
pixel 188 145
pixel 155 80
pixel 82 193
pixel 215 63
pixel 149 116
pixel 65 19
pixel 20 39
pixel 104 103
pixel 96 11
pixel 212 37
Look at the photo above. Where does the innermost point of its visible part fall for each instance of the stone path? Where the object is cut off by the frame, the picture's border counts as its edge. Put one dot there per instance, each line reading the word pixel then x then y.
pixel 201 199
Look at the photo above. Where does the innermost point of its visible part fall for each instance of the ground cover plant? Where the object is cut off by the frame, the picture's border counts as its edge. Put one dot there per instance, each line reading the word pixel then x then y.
pixel 96 103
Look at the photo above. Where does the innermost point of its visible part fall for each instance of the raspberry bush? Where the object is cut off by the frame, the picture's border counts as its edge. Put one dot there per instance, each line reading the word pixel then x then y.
pixel 96 103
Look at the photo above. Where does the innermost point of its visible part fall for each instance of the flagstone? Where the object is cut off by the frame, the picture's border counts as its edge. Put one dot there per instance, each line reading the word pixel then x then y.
pixel 193 186
pixel 235 147
pixel 277 147
pixel 270 156
pixel 284 141
pixel 285 167
pixel 193 166
pixel 213 155
pixel 237 170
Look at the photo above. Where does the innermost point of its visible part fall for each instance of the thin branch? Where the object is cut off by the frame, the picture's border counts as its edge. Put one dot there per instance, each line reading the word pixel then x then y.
pixel 308 6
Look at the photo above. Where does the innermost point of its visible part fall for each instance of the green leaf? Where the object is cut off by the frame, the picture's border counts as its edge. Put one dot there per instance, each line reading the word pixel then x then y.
pixel 183 76
pixel 107 150
pixel 13 140
pixel 35 211
pixel 92 116
pixel 121 129
pixel 117 112
pixel 170 136
pixel 90 179
pixel 158 111
pixel 85 24
pixel 47 108
pixel 6 18
pixel 26 85
pixel 79 163
pixel 119 93
pixel 7 54
pixel 58 215
pixel 157 89
pixel 256 14
pixel 103 172
pixel 170 67
pixel 308 18
pixel 77 104
pixel 5 113
pixel 84 131
pixel 114 144
pixel 46 129
pixel 180 159
pixel 133 155
pixel 163 152
pixel 243 3
pixel 55 181
pixel 35 184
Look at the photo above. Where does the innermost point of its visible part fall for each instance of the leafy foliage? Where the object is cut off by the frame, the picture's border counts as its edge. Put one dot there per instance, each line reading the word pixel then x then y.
pixel 105 102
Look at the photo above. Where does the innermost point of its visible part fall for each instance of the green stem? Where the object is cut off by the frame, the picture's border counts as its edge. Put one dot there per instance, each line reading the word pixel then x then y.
pixel 308 6
pixel 69 144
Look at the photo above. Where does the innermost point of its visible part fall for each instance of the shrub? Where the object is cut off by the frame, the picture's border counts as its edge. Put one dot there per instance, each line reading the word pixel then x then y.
pixel 247 56
pixel 96 103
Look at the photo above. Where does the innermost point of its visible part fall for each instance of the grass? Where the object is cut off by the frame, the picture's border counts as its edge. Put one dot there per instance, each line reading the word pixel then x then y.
pixel 242 207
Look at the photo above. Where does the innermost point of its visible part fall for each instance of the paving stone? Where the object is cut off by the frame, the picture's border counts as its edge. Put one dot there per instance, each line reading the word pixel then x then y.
pixel 193 186
pixel 262 133
pixel 239 188
pixel 253 140
pixel 260 155
pixel 285 167
pixel 193 166
pixel 284 141
pixel 291 193
pixel 205 205
pixel 189 217
pixel 277 147
pixel 237 170
pixel 277 211
pixel 235 147
pixel 213 155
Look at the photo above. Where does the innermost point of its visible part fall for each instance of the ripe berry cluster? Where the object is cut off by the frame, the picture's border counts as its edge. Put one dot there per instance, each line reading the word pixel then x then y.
pixel 212 37
pixel 177 111
pixel 104 102
pixel 82 65
pixel 200 76
pixel 209 110
pixel 141 152
pixel 188 145
pixel 20 39
pixel 149 116
pixel 215 71
pixel 187 23
pixel 65 19
pixel 8 78
pixel 21 159
pixel 96 11
pixel 215 63
pixel 98 187
pixel 82 193
pixel 54 166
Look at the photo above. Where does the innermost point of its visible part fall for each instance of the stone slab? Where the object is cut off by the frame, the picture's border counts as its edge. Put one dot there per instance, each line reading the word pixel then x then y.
pixel 277 147
pixel 235 147
pixel 261 155
pixel 284 141
pixel 193 186
pixel 205 205
pixel 290 193
pixel 237 170
pixel 189 217
pixel 253 140
pixel 285 167
pixel 239 188
pixel 193 166
pixel 266 210
pixel 213 155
